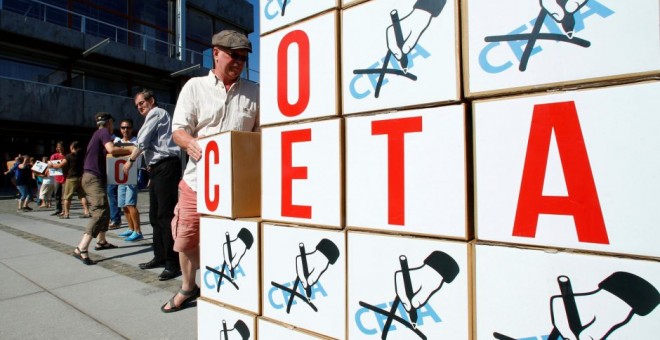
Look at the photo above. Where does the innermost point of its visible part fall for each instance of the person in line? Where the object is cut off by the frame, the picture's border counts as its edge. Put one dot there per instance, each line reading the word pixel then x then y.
pixel 23 180
pixel 128 193
pixel 73 167
pixel 162 157
pixel 94 183
pixel 58 180
pixel 220 101
pixel 46 187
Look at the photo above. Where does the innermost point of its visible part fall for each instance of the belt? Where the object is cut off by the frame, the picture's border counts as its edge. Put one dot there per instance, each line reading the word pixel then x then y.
pixel 164 160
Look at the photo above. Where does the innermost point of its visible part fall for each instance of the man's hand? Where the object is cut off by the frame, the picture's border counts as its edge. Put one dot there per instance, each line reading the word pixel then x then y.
pixel 194 150
pixel 412 27
pixel 127 166
pixel 557 10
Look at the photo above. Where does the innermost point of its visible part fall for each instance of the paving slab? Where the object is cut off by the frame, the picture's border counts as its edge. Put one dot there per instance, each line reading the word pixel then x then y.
pixel 131 308
pixel 14 285
pixel 44 316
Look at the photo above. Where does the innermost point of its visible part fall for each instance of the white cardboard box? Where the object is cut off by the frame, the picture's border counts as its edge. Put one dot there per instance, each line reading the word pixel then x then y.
pixel 235 278
pixel 570 170
pixel 440 281
pixel 302 173
pixel 229 175
pixel 215 321
pixel 269 330
pixel 406 172
pixel 517 291
pixel 611 39
pixel 320 308
pixel 300 72
pixel 275 14
pixel 115 171
pixel 374 79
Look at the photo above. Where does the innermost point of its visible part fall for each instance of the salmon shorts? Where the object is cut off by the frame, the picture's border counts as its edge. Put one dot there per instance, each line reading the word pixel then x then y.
pixel 185 224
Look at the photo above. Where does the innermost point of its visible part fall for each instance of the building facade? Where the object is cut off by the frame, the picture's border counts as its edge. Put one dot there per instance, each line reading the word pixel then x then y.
pixel 61 61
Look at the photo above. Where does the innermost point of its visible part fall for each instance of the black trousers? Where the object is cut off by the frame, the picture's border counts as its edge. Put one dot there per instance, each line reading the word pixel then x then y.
pixel 163 197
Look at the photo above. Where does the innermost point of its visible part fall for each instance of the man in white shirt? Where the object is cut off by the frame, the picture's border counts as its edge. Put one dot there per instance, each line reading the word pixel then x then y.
pixel 220 101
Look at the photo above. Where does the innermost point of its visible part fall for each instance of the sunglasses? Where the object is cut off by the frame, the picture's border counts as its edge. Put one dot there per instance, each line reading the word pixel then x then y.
pixel 235 55
pixel 140 103
pixel 125 127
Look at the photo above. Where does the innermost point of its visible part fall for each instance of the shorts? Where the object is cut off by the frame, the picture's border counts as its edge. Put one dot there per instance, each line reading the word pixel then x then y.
pixel 127 194
pixel 46 191
pixel 185 224
pixel 70 185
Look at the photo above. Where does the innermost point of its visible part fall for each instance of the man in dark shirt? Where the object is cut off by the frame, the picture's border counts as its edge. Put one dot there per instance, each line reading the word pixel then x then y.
pixel 72 164
pixel 94 182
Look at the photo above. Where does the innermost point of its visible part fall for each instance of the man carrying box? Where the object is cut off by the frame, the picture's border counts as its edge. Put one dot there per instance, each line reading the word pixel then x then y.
pixel 208 105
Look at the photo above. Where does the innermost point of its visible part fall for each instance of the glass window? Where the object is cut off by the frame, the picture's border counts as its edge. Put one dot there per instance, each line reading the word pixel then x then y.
pixel 153 12
pixel 105 85
pixel 199 26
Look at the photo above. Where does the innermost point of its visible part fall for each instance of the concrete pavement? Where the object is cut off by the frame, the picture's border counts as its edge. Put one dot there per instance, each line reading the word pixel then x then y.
pixel 45 293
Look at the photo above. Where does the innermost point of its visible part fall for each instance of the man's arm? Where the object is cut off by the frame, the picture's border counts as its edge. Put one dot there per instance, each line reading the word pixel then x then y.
pixel 116 151
pixel 187 142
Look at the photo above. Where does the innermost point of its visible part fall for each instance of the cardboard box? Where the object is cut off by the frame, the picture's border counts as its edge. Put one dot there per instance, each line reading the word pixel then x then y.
pixel 272 330
pixel 39 167
pixel 518 294
pixel 299 71
pixel 115 171
pixel 406 172
pixel 302 176
pixel 439 275
pixel 232 279
pixel 229 175
pixel 570 170
pixel 318 303
pixel 277 14
pixel 504 49
pixel 374 79
pixel 216 321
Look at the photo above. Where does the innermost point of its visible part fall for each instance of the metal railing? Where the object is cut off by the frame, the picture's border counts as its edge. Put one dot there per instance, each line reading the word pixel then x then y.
pixel 63 17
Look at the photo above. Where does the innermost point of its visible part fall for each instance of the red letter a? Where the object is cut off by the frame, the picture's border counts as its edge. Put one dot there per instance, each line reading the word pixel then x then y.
pixel 582 200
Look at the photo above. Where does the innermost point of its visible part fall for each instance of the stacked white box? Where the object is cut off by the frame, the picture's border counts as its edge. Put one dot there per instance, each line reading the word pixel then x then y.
pixel 230 269
pixel 439 274
pixel 572 171
pixel 614 296
pixel 304 278
pixel 271 330
pixel 505 51
pixel 215 321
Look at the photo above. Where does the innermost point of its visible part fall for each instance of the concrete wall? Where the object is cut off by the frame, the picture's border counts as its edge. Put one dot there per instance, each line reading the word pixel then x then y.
pixel 237 12
pixel 25 101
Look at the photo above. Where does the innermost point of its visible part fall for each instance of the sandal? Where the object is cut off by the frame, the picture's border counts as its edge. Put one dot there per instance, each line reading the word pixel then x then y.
pixel 86 216
pixel 104 245
pixel 79 256
pixel 190 296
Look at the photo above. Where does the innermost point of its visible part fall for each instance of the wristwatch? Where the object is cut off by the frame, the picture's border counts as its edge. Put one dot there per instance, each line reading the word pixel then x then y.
pixel 131 160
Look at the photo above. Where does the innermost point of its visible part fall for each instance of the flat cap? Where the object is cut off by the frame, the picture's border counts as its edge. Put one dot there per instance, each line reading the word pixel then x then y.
pixel 232 40
pixel 102 117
